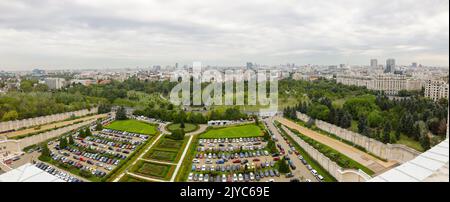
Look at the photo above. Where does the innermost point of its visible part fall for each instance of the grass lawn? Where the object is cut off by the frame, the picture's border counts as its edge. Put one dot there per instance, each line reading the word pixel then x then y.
pixel 129 178
pixel 155 170
pixel 161 155
pixel 405 140
pixel 188 127
pixel 249 130
pixel 167 143
pixel 133 126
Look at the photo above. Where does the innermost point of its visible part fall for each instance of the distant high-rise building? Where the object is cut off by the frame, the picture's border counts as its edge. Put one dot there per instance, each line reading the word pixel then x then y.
pixel 414 65
pixel 249 65
pixel 390 66
pixel 373 63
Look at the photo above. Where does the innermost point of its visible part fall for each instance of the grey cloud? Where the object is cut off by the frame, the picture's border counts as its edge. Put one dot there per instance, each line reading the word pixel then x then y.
pixel 78 33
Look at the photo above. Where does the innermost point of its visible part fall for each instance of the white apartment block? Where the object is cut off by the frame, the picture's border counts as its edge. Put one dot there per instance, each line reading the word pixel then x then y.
pixel 436 89
pixel 390 84
pixel 55 83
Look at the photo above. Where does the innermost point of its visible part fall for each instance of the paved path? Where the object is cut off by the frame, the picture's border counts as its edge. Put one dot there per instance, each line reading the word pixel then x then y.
pixel 140 157
pixel 159 162
pixel 201 128
pixel 301 170
pixel 145 178
pixel 174 175
pixel 359 156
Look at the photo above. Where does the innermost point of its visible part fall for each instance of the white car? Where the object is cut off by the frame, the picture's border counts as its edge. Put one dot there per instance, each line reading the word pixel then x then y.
pixel 224 178
pixel 195 161
pixel 241 178
pixel 190 176
pixel 314 172
pixel 203 167
pixel 235 178
pixel 320 177
pixel 200 177
pixel 252 176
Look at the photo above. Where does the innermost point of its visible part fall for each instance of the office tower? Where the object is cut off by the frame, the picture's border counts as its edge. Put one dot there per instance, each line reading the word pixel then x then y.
pixel 373 63
pixel 390 66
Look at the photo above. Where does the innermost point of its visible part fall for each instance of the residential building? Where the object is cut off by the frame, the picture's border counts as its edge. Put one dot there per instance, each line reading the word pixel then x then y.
pixel 436 89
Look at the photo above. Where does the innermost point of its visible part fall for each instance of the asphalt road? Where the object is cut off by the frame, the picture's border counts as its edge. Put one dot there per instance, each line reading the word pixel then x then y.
pixel 301 171
pixel 361 157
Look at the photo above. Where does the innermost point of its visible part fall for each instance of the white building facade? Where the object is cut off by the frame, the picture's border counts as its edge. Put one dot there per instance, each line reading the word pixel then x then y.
pixel 436 89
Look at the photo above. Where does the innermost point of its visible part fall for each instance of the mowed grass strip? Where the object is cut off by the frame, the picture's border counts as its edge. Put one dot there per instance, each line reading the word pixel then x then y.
pixel 249 130
pixel 153 170
pixel 161 155
pixel 166 143
pixel 188 127
pixel 133 126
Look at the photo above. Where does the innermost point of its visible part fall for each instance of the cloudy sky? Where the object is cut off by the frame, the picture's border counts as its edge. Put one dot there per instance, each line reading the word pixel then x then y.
pixel 114 33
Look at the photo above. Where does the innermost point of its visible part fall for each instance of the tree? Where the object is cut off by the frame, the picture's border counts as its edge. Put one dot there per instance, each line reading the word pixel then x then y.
pixel 62 142
pixel 177 134
pixel 387 133
pixel 26 85
pixel 71 142
pixel 45 154
pixel 283 167
pixel 362 125
pixel 256 120
pixel 88 132
pixel 346 120
pixel 425 142
pixel 121 114
pixel 99 126
pixel 374 119
pixel 104 108
pixel 10 115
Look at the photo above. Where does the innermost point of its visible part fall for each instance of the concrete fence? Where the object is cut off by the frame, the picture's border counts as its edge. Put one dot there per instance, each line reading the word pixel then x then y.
pixel 16 146
pixel 341 174
pixel 395 152
pixel 26 123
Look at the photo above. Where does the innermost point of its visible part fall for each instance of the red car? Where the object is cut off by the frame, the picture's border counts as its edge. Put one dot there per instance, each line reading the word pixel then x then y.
pixel 256 160
pixel 276 158
pixel 237 161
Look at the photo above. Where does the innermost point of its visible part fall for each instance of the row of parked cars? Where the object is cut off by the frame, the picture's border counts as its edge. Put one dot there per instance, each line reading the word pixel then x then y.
pixel 231 156
pixel 124 134
pixel 304 162
pixel 61 175
pixel 68 161
pixel 110 144
pixel 230 140
pixel 235 177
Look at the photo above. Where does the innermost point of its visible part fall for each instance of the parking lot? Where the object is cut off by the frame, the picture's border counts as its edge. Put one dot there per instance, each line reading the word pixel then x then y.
pixel 58 173
pixel 97 154
pixel 234 160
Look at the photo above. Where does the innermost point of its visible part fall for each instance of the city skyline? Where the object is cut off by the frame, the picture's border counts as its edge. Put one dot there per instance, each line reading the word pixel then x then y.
pixel 107 34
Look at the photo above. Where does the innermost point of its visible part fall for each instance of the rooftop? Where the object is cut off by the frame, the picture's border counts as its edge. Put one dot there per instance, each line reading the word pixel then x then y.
pixel 430 166
pixel 28 173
